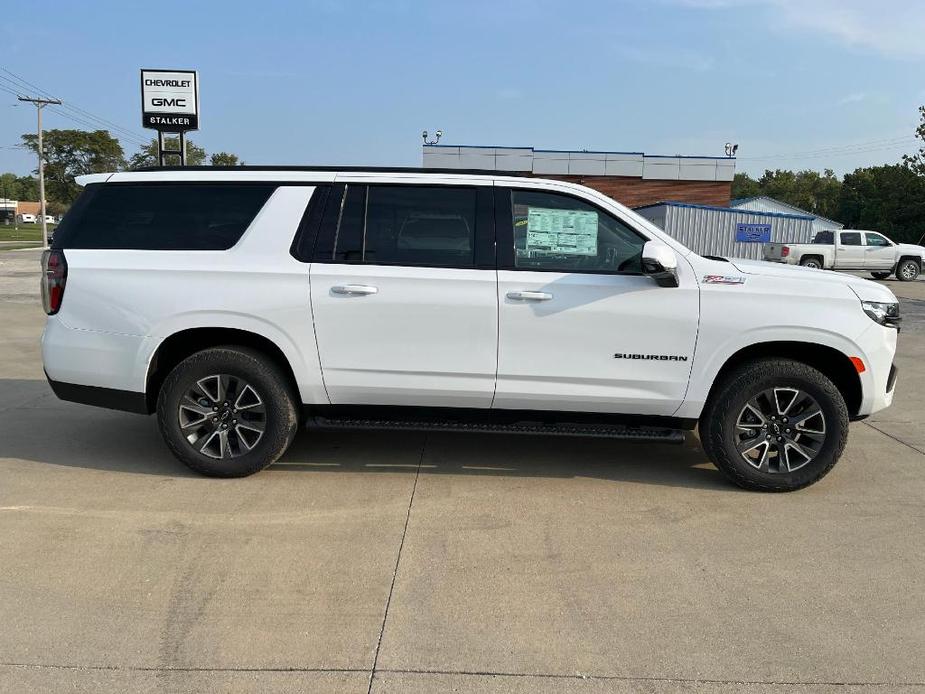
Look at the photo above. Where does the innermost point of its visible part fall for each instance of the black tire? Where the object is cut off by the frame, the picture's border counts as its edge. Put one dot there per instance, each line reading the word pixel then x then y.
pixel 242 453
pixel 811 261
pixel 880 275
pixel 718 424
pixel 907 270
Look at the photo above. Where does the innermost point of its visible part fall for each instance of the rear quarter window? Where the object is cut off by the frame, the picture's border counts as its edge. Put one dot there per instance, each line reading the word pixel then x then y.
pixel 162 216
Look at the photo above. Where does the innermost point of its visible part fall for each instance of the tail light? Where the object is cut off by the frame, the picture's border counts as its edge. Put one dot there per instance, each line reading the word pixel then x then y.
pixel 54 271
pixel 784 251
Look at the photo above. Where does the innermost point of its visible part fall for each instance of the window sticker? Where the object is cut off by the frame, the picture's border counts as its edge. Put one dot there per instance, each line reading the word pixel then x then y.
pixel 557 232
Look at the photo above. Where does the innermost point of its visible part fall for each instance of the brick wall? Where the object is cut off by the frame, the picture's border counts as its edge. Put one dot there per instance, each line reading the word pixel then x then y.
pixel 28 207
pixel 635 192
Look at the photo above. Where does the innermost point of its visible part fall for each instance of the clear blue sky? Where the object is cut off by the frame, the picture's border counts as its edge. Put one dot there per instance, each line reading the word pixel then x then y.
pixel 335 82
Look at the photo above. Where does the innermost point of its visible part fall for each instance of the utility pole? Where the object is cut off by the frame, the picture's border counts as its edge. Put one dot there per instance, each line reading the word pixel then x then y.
pixel 39 105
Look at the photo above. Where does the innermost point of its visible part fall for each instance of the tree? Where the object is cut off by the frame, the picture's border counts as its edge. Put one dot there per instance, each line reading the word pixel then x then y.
pixel 225 159
pixel 808 190
pixel 916 162
pixel 147 155
pixel 70 153
pixel 889 199
pixel 15 187
pixel 744 186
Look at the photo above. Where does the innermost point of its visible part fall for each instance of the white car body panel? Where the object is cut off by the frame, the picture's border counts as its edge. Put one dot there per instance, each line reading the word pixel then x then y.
pixel 150 295
pixel 559 353
pixel 452 337
pixel 426 337
pixel 828 315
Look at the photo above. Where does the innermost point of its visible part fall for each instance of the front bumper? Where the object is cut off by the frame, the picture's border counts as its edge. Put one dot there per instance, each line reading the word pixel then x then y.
pixel 878 381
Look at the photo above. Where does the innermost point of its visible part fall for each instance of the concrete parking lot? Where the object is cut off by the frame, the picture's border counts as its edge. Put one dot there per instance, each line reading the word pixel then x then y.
pixel 397 562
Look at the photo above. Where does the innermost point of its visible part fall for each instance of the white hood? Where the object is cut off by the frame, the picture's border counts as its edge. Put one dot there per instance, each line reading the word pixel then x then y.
pixel 911 249
pixel 867 290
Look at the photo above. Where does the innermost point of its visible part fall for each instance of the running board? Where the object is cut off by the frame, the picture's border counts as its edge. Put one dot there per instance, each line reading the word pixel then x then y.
pixel 640 434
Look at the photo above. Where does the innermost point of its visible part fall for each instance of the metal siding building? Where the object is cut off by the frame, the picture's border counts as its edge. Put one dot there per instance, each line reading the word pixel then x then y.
pixel 712 230
pixel 762 203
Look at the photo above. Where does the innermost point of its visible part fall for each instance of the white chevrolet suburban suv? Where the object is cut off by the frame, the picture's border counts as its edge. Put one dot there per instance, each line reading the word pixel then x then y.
pixel 240 303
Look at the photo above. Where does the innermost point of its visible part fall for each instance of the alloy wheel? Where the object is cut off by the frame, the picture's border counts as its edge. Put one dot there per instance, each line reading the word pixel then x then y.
pixel 222 416
pixel 780 430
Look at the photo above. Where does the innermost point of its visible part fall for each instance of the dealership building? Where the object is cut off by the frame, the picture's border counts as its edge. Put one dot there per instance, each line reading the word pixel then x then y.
pixel 632 178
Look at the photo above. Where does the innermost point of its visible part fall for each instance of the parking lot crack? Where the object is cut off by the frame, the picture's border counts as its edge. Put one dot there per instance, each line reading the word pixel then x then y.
pixel 643 678
pixel 401 544
pixel 896 439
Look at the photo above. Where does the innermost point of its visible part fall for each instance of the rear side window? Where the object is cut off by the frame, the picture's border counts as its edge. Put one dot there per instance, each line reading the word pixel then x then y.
pixel 408 225
pixel 852 238
pixel 162 217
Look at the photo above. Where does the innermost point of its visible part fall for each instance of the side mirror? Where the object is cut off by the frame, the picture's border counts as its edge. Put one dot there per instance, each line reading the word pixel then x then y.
pixel 660 263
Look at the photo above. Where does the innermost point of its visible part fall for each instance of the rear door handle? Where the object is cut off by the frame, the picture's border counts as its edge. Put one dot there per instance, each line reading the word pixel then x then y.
pixel 354 290
pixel 529 296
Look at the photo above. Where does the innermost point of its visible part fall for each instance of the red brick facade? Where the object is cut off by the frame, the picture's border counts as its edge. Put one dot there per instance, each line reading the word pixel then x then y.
pixel 635 192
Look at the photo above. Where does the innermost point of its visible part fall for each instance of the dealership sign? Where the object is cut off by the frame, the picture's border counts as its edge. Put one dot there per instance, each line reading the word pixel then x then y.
pixel 170 100
pixel 753 233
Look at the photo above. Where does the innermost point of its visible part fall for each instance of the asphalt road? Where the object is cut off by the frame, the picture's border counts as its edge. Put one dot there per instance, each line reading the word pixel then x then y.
pixel 447 562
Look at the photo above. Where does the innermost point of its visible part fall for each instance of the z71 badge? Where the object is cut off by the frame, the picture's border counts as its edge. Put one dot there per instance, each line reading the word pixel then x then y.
pixel 723 279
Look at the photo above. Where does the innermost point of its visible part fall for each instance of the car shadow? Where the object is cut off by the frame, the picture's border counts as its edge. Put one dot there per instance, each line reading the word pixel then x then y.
pixel 40 429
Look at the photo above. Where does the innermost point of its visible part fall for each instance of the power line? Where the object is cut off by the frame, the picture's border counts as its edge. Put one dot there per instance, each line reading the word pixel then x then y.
pixel 838 150
pixel 65 114
pixel 68 106
pixel 75 111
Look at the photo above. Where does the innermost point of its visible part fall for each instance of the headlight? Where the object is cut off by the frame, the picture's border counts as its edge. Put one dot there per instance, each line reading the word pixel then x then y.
pixel 881 312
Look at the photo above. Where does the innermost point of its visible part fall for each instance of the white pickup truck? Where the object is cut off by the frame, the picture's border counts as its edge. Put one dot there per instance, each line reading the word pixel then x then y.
pixel 239 304
pixel 852 249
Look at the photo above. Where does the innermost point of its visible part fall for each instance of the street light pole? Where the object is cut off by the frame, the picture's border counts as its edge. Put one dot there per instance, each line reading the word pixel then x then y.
pixel 39 105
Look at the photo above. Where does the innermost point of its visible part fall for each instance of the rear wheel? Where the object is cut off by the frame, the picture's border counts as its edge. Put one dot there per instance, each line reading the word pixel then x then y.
pixel 812 262
pixel 227 412
pixel 775 425
pixel 880 275
pixel 907 270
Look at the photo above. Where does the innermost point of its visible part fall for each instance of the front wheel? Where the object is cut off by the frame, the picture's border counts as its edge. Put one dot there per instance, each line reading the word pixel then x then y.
pixel 775 425
pixel 907 270
pixel 227 412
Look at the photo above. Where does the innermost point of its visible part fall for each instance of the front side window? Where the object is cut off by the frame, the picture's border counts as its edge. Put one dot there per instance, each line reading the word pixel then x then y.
pixel 877 240
pixel 561 233
pixel 851 238
pixel 408 225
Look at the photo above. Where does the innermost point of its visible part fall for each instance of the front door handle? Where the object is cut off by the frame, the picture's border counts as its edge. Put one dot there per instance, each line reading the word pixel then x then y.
pixel 354 290
pixel 529 296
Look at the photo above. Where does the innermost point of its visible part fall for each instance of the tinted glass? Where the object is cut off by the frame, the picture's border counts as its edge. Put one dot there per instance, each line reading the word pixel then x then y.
pixel 824 237
pixel 410 225
pixel 850 239
pixel 877 240
pixel 190 217
pixel 557 232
